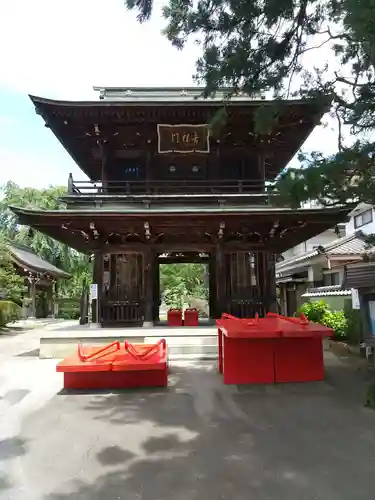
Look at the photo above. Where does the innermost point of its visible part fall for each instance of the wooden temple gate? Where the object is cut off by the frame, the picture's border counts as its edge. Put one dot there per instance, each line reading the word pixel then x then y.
pixel 161 180
pixel 241 283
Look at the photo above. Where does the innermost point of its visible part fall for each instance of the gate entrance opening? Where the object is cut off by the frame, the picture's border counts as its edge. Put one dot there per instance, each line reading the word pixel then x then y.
pixel 184 281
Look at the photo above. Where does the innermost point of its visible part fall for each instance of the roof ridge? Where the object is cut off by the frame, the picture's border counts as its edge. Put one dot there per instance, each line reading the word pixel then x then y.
pixel 327 247
pixel 339 241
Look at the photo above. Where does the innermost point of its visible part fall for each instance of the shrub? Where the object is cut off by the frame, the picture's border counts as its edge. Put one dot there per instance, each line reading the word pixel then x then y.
pixel 370 395
pixel 9 312
pixel 314 311
pixel 69 313
pixel 337 321
pixel 346 325
pixel 354 333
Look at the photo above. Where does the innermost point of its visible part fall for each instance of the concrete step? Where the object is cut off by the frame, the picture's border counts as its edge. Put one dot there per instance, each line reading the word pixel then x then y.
pixel 192 350
pixel 58 346
pixel 192 357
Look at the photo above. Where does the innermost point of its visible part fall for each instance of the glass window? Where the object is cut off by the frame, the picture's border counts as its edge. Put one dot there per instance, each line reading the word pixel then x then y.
pixel 371 307
pixel 363 218
pixel 332 279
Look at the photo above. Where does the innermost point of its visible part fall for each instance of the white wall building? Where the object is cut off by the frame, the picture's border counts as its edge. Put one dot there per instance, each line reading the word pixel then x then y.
pixel 315 268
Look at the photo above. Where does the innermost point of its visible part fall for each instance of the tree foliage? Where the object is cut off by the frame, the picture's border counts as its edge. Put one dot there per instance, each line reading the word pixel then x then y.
pixel 11 284
pixel 179 283
pixel 47 248
pixel 257 46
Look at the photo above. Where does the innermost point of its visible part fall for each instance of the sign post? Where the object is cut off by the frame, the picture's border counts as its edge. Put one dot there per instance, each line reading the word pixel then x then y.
pixel 355 299
pixel 94 296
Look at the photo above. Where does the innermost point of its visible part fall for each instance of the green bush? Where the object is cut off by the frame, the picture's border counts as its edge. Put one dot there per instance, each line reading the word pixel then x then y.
pixel 354 333
pixel 337 321
pixel 370 395
pixel 69 313
pixel 346 325
pixel 9 312
pixel 314 311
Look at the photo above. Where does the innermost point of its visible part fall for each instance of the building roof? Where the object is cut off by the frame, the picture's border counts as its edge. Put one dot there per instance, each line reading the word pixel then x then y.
pixel 352 245
pixel 170 94
pixel 25 258
pixel 130 124
pixel 274 228
pixel 359 275
pixel 326 291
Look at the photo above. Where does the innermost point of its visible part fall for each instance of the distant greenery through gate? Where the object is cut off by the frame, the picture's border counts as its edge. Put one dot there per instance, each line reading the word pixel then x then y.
pixel 182 283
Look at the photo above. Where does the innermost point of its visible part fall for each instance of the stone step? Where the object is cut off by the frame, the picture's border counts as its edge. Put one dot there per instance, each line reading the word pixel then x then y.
pixel 61 347
pixel 191 349
pixel 192 357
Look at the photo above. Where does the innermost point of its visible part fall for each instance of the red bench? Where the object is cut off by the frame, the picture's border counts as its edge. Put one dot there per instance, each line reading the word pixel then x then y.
pixel 116 366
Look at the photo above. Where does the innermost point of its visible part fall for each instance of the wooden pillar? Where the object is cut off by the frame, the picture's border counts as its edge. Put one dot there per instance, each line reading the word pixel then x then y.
pixel 97 279
pixel 148 270
pixel 50 301
pixel 148 171
pixel 220 281
pixel 212 287
pixel 32 295
pixel 156 288
pixel 271 283
pixel 103 145
pixel 261 172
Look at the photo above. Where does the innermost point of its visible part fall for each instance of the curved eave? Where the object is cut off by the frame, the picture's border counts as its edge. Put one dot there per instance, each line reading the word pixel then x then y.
pixel 292 227
pixel 42 101
pixel 185 212
pixel 34 267
pixel 37 269
pixel 87 113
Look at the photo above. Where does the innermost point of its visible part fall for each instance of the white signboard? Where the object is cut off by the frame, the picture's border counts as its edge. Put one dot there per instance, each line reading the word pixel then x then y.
pixel 355 299
pixel 94 291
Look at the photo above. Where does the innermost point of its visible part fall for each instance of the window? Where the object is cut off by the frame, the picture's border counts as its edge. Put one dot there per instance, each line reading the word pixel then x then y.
pixel 363 218
pixel 332 279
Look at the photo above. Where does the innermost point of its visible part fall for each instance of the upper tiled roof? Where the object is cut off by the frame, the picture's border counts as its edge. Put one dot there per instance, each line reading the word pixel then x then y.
pixel 178 94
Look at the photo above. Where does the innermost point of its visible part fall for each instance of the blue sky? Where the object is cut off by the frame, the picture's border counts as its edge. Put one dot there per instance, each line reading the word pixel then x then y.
pixel 61 50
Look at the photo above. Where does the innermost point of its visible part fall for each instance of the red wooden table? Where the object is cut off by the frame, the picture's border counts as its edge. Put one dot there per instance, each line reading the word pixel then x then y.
pixel 190 317
pixel 174 317
pixel 299 351
pixel 271 349
pixel 246 350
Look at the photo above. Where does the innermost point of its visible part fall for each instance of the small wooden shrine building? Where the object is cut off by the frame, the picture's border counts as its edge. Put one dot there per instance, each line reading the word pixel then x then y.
pixel 40 276
pixel 162 181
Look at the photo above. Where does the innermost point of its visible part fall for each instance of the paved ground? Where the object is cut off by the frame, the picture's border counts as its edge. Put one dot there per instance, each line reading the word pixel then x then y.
pixel 198 440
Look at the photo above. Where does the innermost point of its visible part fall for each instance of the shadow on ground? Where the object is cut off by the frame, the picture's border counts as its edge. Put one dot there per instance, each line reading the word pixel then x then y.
pixel 12 331
pixel 199 439
pixel 10 448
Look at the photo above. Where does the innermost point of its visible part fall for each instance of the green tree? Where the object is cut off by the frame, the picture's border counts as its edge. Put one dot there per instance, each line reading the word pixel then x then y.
pixel 58 254
pixel 254 46
pixel 181 282
pixel 12 285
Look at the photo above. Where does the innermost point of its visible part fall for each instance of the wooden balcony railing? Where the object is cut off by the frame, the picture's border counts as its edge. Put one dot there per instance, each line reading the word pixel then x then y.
pixel 169 187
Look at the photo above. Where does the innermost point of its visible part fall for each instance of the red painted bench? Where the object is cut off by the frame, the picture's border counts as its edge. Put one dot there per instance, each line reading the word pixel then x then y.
pixel 116 366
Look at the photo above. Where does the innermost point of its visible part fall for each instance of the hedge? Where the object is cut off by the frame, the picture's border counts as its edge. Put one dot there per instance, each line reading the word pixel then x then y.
pixel 346 324
pixel 9 312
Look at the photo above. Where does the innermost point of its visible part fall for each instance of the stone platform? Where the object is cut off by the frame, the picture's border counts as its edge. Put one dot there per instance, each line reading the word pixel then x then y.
pixel 183 342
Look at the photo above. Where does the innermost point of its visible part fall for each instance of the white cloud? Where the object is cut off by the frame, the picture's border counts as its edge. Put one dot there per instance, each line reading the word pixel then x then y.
pixel 62 49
